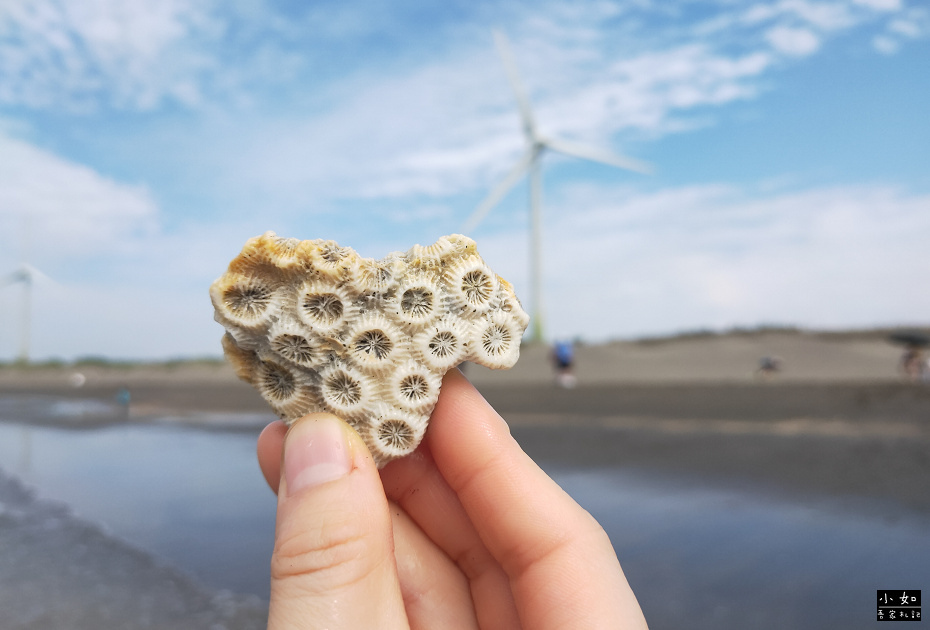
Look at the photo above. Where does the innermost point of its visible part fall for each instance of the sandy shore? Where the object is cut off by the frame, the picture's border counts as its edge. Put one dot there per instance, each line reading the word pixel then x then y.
pixel 733 358
pixel 60 571
pixel 838 420
pixel 838 427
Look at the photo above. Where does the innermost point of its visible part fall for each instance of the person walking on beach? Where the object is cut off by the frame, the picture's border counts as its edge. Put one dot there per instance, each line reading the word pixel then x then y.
pixel 768 367
pixel 466 532
pixel 913 365
pixel 563 360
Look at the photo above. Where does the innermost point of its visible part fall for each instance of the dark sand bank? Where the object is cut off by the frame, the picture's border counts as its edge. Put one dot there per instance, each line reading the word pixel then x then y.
pixel 858 446
pixel 858 439
pixel 806 357
pixel 60 572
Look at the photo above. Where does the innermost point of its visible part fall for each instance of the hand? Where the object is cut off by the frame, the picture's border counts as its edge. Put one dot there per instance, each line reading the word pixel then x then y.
pixel 466 532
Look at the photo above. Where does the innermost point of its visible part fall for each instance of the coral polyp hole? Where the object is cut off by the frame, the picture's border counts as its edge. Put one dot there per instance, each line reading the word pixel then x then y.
pixel 396 434
pixel 478 287
pixel 443 344
pixel 332 253
pixel 414 388
pixel 374 343
pixel 417 303
pixel 496 340
pixel 278 382
pixel 344 389
pixel 293 347
pixel 324 307
pixel 248 302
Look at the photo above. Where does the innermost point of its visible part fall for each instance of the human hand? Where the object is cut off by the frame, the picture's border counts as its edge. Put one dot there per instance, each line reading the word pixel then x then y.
pixel 466 532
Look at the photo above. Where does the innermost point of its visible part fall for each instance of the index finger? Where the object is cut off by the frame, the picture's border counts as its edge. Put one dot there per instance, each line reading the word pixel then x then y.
pixel 563 569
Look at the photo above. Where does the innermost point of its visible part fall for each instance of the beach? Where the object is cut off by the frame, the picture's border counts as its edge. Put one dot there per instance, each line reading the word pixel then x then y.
pixel 837 429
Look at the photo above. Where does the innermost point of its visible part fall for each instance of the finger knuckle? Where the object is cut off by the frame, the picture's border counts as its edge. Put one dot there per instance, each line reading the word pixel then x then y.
pixel 338 554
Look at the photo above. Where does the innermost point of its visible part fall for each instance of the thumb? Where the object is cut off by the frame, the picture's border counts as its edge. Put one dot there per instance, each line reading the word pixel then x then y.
pixel 333 561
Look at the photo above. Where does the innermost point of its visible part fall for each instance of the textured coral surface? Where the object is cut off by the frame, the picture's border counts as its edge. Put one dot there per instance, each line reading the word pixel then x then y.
pixel 315 327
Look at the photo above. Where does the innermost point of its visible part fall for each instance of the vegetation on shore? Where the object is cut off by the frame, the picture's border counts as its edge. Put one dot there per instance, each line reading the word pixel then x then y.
pixel 859 334
pixel 106 363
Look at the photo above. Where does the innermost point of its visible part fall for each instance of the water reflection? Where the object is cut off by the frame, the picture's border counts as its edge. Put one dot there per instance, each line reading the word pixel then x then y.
pixel 701 557
pixel 192 497
pixel 697 556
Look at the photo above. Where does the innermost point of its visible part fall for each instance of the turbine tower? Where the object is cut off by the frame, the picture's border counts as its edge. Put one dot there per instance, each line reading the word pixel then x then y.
pixel 536 145
pixel 26 274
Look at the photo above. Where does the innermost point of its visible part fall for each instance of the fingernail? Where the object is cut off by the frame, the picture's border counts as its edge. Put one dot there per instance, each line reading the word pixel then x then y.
pixel 315 451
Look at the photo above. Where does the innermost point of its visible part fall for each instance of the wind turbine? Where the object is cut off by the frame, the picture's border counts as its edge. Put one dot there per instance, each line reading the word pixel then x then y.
pixel 536 145
pixel 26 274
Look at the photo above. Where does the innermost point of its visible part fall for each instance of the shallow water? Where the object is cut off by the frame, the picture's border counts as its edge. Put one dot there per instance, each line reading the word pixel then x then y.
pixel 697 556
pixel 701 557
pixel 195 498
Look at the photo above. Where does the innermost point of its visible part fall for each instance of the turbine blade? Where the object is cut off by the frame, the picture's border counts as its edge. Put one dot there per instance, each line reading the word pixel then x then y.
pixel 510 67
pixel 595 154
pixel 497 193
pixel 34 273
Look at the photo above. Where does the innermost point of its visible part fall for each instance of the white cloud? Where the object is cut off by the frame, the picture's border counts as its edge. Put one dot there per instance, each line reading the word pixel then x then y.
pixel 907 25
pixel 907 28
pixel 120 284
pixel 129 53
pixel 619 262
pixel 825 16
pixel 797 42
pixel 71 209
pixel 880 5
pixel 452 126
pixel 885 45
pixel 624 263
pixel 412 134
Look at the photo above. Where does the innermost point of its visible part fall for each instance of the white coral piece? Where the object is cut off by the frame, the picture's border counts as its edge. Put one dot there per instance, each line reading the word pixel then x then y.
pixel 344 391
pixel 495 340
pixel 315 327
pixel 246 301
pixel 286 389
pixel 290 340
pixel 472 285
pixel 321 306
pixel 443 345
pixel 417 304
pixel 374 344
pixel 393 432
pixel 413 386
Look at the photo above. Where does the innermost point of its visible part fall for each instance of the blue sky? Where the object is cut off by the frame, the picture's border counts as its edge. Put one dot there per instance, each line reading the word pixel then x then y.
pixel 141 144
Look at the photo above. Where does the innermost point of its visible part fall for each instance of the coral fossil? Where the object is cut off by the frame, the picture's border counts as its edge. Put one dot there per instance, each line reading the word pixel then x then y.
pixel 315 327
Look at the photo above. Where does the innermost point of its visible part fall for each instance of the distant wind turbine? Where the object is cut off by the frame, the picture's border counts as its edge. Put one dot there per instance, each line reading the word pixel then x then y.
pixel 536 145
pixel 26 274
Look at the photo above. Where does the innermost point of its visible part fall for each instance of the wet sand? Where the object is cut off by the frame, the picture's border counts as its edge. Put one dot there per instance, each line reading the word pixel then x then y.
pixel 837 420
pixel 60 571
pixel 840 430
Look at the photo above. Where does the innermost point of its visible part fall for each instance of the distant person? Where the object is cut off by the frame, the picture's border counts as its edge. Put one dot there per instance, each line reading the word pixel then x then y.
pixel 434 540
pixel 124 398
pixel 913 365
pixel 563 360
pixel 768 367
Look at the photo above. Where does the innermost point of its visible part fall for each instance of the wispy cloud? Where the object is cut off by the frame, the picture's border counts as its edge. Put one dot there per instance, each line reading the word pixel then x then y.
pixel 130 54
pixel 449 126
pixel 72 210
pixel 912 24
pixel 725 255
pixel 797 42
pixel 619 263
pixel 274 119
